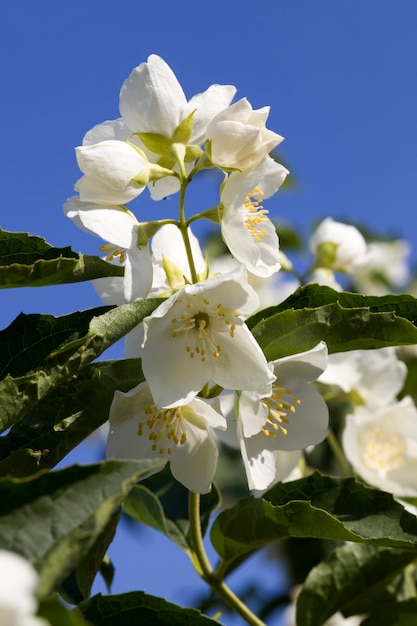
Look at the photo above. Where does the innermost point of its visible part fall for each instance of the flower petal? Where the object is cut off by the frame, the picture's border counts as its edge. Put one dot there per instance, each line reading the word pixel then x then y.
pixel 207 105
pixel 114 162
pixel 151 98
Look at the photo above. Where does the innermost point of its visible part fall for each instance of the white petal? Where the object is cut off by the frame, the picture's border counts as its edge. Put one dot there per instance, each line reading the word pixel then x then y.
pixel 306 366
pixel 111 129
pixel 259 463
pixel 114 162
pixel 115 225
pixel 138 273
pixel 18 585
pixel 194 463
pixel 92 189
pixel 207 105
pixel 268 176
pixel 168 242
pixel 259 253
pixel 164 187
pixel 151 98
pixel 242 364
pixel 308 425
pixel 252 413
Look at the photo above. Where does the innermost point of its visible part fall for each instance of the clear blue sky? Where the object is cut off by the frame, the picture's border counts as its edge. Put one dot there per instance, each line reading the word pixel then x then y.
pixel 341 79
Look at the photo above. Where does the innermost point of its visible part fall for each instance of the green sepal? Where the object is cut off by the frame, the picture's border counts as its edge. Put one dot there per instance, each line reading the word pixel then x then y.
pixel 159 144
pixel 184 130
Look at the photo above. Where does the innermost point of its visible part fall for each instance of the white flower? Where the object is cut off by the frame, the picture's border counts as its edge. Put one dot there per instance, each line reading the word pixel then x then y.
pixel 196 336
pixel 182 434
pixel 386 267
pixel 374 376
pixel 338 246
pixel 119 227
pixel 381 445
pixel 110 168
pixel 152 101
pixel 236 138
pixel 324 276
pixel 18 583
pixel 249 234
pixel 290 418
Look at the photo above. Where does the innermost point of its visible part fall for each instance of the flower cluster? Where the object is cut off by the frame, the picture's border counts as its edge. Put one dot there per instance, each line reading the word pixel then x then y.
pixel 206 377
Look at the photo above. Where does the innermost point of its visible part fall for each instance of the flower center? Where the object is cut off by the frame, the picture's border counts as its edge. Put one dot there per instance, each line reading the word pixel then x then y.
pixel 198 319
pixel 112 252
pixel 255 214
pixel 165 427
pixel 279 405
pixel 383 452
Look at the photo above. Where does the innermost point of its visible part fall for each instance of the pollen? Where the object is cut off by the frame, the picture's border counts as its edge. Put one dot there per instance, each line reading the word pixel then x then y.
pixel 165 428
pixel 255 214
pixel 202 323
pixel 383 452
pixel 281 404
pixel 112 252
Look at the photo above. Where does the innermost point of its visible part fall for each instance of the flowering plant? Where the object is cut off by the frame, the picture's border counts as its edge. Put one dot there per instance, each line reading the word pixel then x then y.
pixel 237 359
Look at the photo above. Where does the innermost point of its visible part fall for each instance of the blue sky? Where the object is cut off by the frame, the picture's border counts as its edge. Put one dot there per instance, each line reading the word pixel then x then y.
pixel 340 77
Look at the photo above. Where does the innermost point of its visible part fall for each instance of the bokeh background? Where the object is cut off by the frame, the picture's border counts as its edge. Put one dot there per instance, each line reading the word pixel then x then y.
pixel 341 80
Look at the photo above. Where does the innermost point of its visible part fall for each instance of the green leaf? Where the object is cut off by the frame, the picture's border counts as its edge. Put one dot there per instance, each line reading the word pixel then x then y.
pixel 65 417
pixel 162 503
pixel 134 608
pixel 57 348
pixel 349 574
pixel 344 321
pixel 88 567
pixel 401 614
pixel 28 261
pixel 57 614
pixel 317 506
pixel 54 519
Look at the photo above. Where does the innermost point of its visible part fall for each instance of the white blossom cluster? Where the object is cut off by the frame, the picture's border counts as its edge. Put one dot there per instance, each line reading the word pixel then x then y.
pixel 207 379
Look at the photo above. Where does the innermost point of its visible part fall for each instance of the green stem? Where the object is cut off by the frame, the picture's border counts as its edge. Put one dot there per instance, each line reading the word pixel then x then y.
pixel 206 571
pixel 183 226
pixel 337 451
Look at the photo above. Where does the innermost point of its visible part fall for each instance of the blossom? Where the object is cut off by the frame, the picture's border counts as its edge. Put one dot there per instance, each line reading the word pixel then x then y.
pixel 110 168
pixel 371 377
pixel 182 434
pixel 152 102
pixel 271 430
pixel 18 583
pixel 249 234
pixel 197 335
pixel 381 445
pixel 290 418
pixel 386 267
pixel 338 246
pixel 118 226
pixel 236 138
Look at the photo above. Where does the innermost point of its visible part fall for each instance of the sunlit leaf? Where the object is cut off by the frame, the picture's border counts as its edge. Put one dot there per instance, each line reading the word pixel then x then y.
pixel 317 506
pixel 345 321
pixel 41 352
pixel 65 417
pixel 28 261
pixel 54 519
